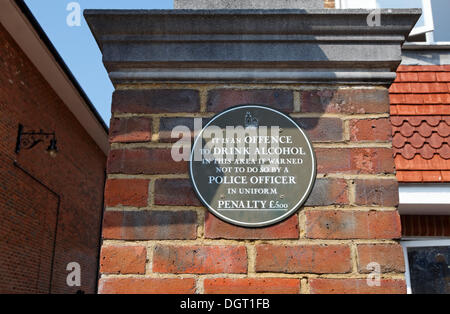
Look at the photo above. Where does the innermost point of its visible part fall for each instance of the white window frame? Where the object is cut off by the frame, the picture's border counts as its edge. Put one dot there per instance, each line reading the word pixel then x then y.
pixel 427 29
pixel 424 199
pixel 418 243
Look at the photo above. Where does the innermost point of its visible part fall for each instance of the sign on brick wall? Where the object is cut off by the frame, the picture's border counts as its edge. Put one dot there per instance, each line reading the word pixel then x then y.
pixel 252 166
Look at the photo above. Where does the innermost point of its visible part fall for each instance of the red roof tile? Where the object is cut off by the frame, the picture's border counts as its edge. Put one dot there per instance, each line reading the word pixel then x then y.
pixel 423 135
pixel 420 99
pixel 423 176
pixel 413 110
pixel 443 76
pixel 436 99
pixel 419 88
pixel 419 163
pixel 426 77
pixel 424 68
pixel 420 116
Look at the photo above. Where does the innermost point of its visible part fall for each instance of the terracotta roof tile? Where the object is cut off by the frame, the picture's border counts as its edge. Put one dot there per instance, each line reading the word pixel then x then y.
pixel 400 88
pixel 420 135
pixel 425 125
pixel 419 99
pixel 398 140
pixel 413 110
pixel 424 68
pixel 445 176
pixel 428 88
pixel 417 141
pixel 436 141
pixel 420 116
pixel 436 99
pixel 415 121
pixel 426 76
pixel 423 176
pixel 443 76
pixel 431 120
pixel 443 129
pixel 397 121
pixel 407 77
pixel 425 129
pixel 444 152
pixel 413 99
pixel 407 130
pixel 419 163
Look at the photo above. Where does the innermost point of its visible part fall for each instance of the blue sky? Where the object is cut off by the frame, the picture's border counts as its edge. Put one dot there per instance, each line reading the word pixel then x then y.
pixel 77 46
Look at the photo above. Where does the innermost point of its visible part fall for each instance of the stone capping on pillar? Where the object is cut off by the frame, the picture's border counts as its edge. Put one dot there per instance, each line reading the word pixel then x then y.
pixel 243 46
pixel 248 4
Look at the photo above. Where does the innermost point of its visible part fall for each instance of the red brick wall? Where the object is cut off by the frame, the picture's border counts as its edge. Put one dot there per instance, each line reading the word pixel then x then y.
pixel 28 208
pixel 158 238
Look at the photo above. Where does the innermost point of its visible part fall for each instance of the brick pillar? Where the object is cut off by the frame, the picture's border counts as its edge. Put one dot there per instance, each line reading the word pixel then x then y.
pixel 157 236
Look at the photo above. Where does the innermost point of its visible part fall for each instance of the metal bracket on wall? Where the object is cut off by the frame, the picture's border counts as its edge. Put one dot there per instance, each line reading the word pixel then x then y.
pixel 28 140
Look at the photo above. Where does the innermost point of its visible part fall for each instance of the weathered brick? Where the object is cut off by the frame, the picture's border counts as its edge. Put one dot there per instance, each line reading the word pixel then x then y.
pixel 322 129
pixel 175 192
pixel 389 256
pixel 303 259
pixel 144 161
pixel 126 192
pixel 355 160
pixel 123 259
pixel 146 286
pixel 370 130
pixel 218 229
pixel 221 99
pixel 329 224
pixel 376 192
pixel 199 259
pixel 130 130
pixel 150 225
pixel 334 160
pixel 355 286
pixel 166 125
pixel 155 101
pixel 348 101
pixel 372 161
pixel 328 191
pixel 252 286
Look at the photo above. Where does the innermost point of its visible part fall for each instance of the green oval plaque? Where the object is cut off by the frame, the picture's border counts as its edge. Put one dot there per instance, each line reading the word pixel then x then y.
pixel 252 166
